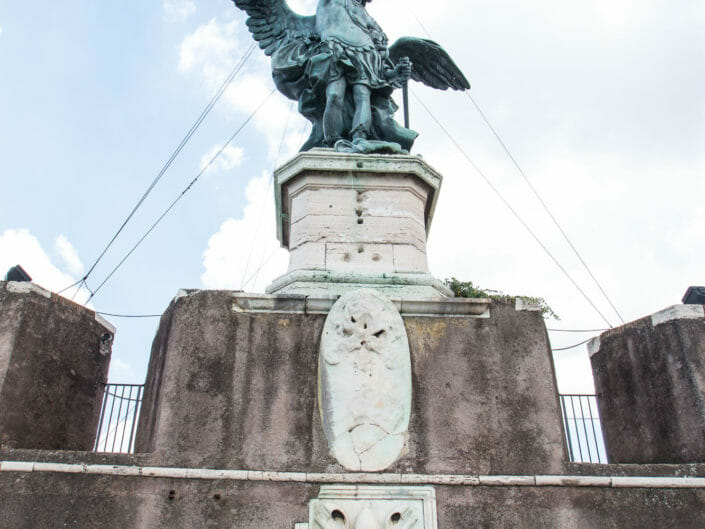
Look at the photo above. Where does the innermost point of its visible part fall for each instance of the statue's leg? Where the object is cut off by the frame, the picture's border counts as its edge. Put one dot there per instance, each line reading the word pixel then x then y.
pixel 362 121
pixel 333 114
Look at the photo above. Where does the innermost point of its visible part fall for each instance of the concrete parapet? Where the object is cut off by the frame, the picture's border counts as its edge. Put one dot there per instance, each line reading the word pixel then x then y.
pixel 233 386
pixel 650 381
pixel 54 354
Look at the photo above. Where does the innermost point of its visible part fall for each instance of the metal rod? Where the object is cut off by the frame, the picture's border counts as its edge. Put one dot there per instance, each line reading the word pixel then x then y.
pixel 102 416
pixel 594 433
pixel 134 420
pixel 124 423
pixel 566 427
pixel 122 396
pixel 577 433
pixel 110 420
pixel 405 92
pixel 587 442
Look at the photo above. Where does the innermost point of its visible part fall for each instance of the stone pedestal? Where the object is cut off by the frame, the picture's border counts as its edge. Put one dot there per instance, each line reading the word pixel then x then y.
pixel 650 381
pixel 353 221
pixel 232 384
pixel 54 354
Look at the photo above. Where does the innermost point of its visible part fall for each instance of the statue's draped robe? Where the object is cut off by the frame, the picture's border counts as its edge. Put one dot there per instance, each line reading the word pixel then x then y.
pixel 354 49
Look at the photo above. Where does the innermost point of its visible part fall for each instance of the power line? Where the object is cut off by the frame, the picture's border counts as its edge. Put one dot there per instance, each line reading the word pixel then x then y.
pixel 509 206
pixel 543 204
pixel 577 330
pixel 256 272
pixel 533 189
pixel 264 201
pixel 572 346
pixel 171 159
pixel 129 315
pixel 178 198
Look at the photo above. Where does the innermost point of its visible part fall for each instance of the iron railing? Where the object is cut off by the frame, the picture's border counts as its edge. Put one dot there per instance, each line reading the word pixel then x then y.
pixel 583 429
pixel 122 403
pixel 118 418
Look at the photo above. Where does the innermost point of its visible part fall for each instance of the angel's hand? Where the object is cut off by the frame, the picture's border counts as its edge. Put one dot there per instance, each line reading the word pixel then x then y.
pixel 402 70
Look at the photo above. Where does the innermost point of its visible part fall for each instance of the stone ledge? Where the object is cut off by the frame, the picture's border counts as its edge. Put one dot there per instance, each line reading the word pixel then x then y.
pixel 655 482
pixel 395 285
pixel 678 312
pixel 295 304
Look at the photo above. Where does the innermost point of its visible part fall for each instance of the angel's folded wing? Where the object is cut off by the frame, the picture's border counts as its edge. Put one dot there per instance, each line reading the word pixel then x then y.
pixel 432 66
pixel 273 24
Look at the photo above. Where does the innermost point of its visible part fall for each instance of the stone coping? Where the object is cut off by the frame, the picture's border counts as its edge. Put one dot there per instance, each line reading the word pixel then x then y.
pixel 335 279
pixel 29 287
pixel 672 313
pixel 649 482
pixel 295 304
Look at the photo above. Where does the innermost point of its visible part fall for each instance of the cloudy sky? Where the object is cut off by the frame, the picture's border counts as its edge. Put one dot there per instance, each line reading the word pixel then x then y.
pixel 601 103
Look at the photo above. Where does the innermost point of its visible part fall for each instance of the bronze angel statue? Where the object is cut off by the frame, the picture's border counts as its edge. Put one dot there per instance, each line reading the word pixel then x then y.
pixel 340 68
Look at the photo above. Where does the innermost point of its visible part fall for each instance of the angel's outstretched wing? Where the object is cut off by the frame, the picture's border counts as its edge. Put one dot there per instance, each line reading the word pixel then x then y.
pixel 432 66
pixel 273 24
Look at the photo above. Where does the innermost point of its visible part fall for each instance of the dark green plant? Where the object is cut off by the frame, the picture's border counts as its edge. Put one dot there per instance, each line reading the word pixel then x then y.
pixel 466 289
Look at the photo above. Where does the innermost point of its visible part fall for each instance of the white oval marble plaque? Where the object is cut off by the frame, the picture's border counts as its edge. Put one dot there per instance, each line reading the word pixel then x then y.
pixel 364 381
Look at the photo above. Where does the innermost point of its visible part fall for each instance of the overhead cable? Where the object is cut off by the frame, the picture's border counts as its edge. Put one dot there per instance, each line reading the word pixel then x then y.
pixel 186 190
pixel 171 159
pixel 572 346
pixel 577 330
pixel 509 206
pixel 255 235
pixel 543 204
pixel 528 182
pixel 129 315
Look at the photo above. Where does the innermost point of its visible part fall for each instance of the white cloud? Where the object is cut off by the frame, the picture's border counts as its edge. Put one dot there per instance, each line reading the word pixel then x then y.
pixel 23 248
pixel 178 10
pixel 244 253
pixel 230 158
pixel 212 51
pixel 68 254
pixel 212 47
pixel 121 371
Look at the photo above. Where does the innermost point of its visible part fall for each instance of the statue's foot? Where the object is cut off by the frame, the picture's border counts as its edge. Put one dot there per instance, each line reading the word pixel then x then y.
pixel 364 146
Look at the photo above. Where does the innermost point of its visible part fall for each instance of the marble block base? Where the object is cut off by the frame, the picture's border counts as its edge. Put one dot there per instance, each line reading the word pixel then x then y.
pixel 354 221
pixel 373 507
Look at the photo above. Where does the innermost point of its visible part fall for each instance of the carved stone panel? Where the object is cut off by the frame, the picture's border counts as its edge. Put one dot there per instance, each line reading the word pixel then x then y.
pixel 365 381
pixel 373 507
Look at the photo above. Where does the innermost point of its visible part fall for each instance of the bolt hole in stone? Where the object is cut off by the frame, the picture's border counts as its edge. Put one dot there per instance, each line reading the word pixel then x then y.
pixel 379 333
pixel 360 221
pixel 352 319
pixel 338 516
pixel 358 212
pixel 216 497
pixel 376 257
pixel 360 249
pixel 172 494
pixel 395 517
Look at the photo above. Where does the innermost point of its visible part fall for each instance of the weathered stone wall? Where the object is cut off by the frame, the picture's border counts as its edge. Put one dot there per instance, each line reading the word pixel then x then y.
pixel 47 500
pixel 232 389
pixel 53 356
pixel 650 382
